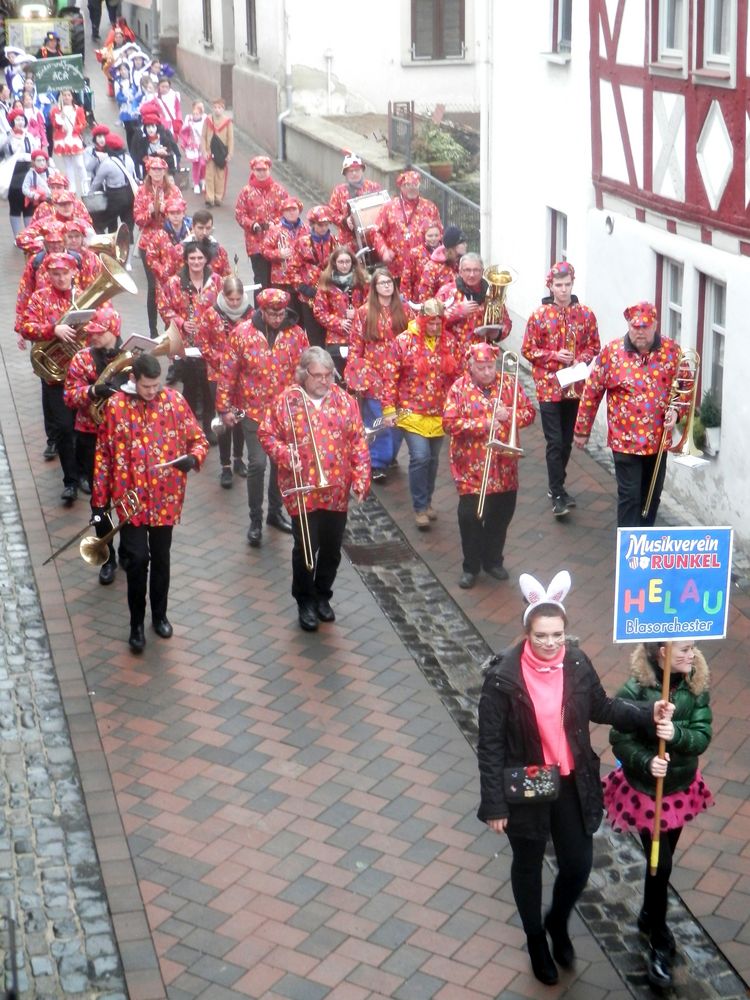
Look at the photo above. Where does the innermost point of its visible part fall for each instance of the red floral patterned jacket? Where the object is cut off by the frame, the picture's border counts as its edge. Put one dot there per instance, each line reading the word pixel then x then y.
pixel 81 375
pixel 418 377
pixel 149 216
pixel 310 257
pixel 30 239
pixel 369 360
pixel 178 300
pixel 43 312
pixel 411 272
pixel 339 435
pixel 261 204
pixel 329 309
pixel 137 435
pixel 399 227
pixel 337 204
pixel 551 329
pixel 437 272
pixel 282 269
pixel 212 339
pixel 463 327
pixel 467 411
pixel 36 276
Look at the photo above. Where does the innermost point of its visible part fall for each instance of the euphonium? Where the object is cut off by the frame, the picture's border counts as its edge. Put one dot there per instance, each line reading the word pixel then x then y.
pixel 114 245
pixel 50 358
pixel 494 303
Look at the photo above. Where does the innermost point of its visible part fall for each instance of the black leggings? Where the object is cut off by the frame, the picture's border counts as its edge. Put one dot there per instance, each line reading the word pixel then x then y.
pixel 574 851
pixel 656 886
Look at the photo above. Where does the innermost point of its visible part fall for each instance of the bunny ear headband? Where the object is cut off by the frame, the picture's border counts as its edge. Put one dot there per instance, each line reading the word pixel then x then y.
pixel 536 594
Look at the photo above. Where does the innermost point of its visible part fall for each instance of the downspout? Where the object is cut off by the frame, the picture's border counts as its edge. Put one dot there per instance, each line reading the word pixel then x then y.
pixel 486 91
pixel 281 144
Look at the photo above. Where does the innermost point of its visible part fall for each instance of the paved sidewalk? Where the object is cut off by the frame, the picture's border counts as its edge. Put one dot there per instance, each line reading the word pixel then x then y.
pixel 287 815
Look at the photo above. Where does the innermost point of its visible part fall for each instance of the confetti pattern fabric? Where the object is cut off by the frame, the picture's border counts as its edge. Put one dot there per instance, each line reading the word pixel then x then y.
pixel 399 227
pixel 261 204
pixel 554 328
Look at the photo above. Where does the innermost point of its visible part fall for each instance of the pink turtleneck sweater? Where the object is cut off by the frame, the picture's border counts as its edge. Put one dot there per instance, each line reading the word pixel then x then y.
pixel 544 681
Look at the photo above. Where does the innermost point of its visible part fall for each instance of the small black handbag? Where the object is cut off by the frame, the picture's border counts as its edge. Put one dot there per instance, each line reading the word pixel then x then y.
pixel 532 783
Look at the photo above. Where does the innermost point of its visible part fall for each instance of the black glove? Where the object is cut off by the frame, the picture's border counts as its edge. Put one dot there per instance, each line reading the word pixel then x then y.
pixel 308 290
pixel 98 514
pixel 102 391
pixel 186 463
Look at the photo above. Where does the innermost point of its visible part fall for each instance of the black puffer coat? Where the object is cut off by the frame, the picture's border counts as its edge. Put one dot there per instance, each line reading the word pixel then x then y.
pixel 509 736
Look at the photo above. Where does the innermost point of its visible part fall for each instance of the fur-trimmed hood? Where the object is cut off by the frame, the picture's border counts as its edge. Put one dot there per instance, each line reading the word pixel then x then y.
pixel 643 672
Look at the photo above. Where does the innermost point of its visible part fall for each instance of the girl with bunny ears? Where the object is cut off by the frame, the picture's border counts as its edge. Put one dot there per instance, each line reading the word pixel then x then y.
pixel 537 701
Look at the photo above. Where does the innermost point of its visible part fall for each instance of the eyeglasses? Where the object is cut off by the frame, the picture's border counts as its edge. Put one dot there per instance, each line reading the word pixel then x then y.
pixel 321 375
pixel 384 281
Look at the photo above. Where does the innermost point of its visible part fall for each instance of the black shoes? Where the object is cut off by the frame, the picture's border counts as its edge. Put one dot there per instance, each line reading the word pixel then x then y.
pixel 569 500
pixel 226 478
pixel 163 628
pixel 254 534
pixel 659 969
pixel 137 640
pixel 663 940
pixel 84 486
pixel 560 506
pixel 467 581
pixel 308 617
pixel 280 520
pixel 496 572
pixel 325 611
pixel 107 573
pixel 542 965
pixel 69 495
pixel 50 452
pixel 240 469
pixel 562 946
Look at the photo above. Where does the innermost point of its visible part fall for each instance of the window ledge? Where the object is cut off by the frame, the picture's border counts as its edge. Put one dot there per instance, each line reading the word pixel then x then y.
pixel 709 75
pixel 559 58
pixel 409 63
pixel 667 69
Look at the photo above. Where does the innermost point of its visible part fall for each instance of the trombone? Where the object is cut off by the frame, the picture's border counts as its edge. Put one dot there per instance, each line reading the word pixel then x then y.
pixel 129 505
pixel 682 395
pixel 511 447
pixel 300 488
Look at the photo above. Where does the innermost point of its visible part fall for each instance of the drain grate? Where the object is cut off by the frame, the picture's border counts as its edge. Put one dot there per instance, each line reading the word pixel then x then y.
pixel 392 553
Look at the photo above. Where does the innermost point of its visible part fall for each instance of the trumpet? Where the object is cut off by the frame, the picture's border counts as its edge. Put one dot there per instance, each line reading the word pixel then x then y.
pixel 511 447
pixel 217 424
pixel 95 551
pixel 682 396
pixel 300 488
pixel 379 425
pixel 283 244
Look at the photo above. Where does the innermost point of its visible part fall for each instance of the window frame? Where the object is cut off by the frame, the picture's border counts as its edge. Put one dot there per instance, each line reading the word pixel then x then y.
pixel 557 234
pixel 562 14
pixel 669 307
pixel 208 27
pixel 711 67
pixel 668 60
pixel 251 29
pixel 711 331
pixel 438 34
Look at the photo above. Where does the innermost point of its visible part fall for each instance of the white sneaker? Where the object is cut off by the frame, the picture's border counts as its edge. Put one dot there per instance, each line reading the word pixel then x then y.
pixel 128 266
pixel 196 189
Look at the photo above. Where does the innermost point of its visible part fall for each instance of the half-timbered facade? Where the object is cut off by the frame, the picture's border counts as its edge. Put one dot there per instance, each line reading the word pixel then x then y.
pixel 633 161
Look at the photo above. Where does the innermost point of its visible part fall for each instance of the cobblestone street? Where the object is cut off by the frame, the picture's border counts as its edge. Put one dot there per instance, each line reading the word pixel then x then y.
pixel 251 811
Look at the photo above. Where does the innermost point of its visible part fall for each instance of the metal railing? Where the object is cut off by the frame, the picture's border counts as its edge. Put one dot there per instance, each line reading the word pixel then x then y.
pixel 400 128
pixel 454 208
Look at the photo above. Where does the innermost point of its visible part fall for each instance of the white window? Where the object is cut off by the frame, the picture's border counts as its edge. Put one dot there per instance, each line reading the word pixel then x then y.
pixel 557 236
pixel 672 31
pixel 671 299
pixel 438 29
pixel 714 337
pixel 562 25
pixel 716 43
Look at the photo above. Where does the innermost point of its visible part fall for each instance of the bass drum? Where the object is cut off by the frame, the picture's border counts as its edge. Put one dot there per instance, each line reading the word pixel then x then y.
pixel 364 212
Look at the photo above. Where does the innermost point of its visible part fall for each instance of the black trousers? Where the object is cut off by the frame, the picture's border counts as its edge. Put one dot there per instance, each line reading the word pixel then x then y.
pixel 656 886
pixel 230 438
pixel 153 315
pixel 197 389
pixel 574 851
pixel 140 545
pixel 85 452
pixel 558 421
pixel 119 209
pixel 59 422
pixel 95 13
pixel 261 269
pixel 326 535
pixel 633 474
pixel 483 541
pixel 316 333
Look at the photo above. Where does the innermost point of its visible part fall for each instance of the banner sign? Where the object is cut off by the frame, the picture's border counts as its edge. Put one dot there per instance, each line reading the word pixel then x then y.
pixel 28 32
pixel 672 583
pixel 62 71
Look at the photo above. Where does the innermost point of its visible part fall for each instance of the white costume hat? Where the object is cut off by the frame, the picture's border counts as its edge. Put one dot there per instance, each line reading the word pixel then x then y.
pixel 536 594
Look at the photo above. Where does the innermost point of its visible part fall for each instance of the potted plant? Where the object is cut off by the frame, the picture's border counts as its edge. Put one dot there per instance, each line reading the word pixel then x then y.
pixel 710 414
pixel 439 150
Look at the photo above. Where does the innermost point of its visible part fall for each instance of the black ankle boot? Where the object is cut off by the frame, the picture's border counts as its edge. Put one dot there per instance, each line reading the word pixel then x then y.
pixel 659 969
pixel 562 946
pixel 542 965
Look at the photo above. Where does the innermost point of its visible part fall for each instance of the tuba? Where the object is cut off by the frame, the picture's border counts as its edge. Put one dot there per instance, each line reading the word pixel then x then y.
pixel 50 358
pixel 115 245
pixel 169 344
pixel 494 303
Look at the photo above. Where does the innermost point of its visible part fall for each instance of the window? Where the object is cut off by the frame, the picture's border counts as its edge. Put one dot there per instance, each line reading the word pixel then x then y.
pixel 716 41
pixel 671 299
pixel 718 30
pixel 251 28
pixel 208 33
pixel 671 28
pixel 714 337
pixel 562 25
pixel 437 29
pixel 558 236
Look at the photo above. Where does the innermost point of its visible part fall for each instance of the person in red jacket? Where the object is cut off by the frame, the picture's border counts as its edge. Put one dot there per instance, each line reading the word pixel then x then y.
pixel 148 442
pixel 416 261
pixel 150 214
pixel 468 419
pixel 90 263
pixel 311 253
pixel 278 246
pixel 203 228
pixel 401 222
pixel 35 274
pixel 63 207
pixel 354 186
pixel 164 256
pixel 342 289
pixel 260 361
pixel 442 267
pixel 465 302
pixel 68 121
pixel 316 409
pixel 258 207
pixel 424 366
pixel 560 334
pixel 637 372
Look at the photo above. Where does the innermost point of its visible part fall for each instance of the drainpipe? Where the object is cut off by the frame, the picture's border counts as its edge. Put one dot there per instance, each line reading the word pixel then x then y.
pixel 287 87
pixel 486 130
pixel 328 56
pixel 154 29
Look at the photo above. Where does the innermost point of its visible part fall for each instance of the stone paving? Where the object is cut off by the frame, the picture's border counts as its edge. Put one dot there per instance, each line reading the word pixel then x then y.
pixel 284 815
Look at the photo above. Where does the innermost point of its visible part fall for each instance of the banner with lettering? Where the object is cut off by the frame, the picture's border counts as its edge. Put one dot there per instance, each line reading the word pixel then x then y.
pixel 58 72
pixel 672 583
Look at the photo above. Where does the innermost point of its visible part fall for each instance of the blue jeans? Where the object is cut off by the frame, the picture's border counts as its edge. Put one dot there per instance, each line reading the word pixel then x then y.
pixel 423 465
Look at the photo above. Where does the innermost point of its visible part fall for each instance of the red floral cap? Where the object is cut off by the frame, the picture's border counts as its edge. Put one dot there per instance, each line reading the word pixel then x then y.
pixel 408 177
pixel 291 203
pixel 149 162
pixel 175 203
pixel 52 229
pixel 76 225
pixel 260 161
pixel 272 298
pixel 105 320
pixel 641 314
pixel 56 179
pixel 61 260
pixel 482 351
pixel 63 197
pixel 562 269
pixel 319 213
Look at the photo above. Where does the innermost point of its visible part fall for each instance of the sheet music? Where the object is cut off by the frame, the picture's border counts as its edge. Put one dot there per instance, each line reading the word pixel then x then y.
pixel 576 373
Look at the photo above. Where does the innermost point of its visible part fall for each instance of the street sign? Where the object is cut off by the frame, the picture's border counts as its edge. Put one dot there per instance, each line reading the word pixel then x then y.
pixel 62 71
pixel 672 583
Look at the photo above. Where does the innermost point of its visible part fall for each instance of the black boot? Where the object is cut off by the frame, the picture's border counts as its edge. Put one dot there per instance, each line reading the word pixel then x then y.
pixel 562 946
pixel 542 965
pixel 659 969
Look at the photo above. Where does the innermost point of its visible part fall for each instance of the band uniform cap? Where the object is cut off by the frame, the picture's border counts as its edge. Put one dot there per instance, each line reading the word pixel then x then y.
pixel 76 226
pixel 432 307
pixel 272 298
pixel 482 351
pixel 114 143
pixel 352 160
pixel 452 236
pixel 260 161
pixel 150 118
pixel 52 229
pixel 105 320
pixel 57 179
pixel 561 269
pixel 62 261
pixel 291 203
pixel 39 154
pixel 63 197
pixel 175 203
pixel 99 130
pixel 408 177
pixel 154 162
pixel 319 213
pixel 641 314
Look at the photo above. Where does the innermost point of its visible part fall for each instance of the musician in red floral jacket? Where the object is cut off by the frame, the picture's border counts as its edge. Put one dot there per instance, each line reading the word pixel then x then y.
pixel 164 248
pixel 424 365
pixel 636 372
pixel 35 272
pixel 83 391
pixel 149 213
pixel 354 186
pixel 416 261
pixel 258 207
pixel 63 207
pixel 278 246
pixel 91 263
pixel 145 428
pixel 468 418
pixel 442 267
pixel 260 361
pixel 401 222
pixel 558 335
pixel 326 425
pixel 465 301
pixel 342 289
pixel 311 253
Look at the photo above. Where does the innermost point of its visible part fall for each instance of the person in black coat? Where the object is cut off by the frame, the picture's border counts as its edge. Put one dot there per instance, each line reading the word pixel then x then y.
pixel 537 702
pixel 153 139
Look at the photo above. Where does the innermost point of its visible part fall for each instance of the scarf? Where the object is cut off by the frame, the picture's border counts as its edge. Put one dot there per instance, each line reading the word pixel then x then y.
pixel 545 686
pixel 293 227
pixel 473 294
pixel 530 659
pixel 233 314
pixel 355 189
pixel 343 281
pixel 263 185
